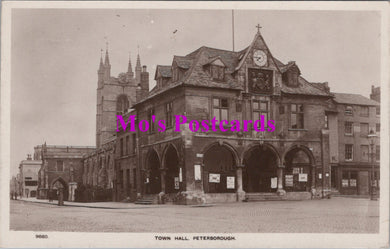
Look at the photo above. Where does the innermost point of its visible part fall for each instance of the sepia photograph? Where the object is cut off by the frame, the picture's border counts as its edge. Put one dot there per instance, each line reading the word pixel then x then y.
pixel 157 124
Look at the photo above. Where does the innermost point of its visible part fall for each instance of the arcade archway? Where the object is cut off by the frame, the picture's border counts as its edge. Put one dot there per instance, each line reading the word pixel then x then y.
pixel 297 172
pixel 153 176
pixel 219 175
pixel 259 173
pixel 171 165
pixel 56 186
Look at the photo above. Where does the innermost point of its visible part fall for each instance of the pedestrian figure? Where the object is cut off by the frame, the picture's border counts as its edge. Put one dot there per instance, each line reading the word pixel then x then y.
pixel 313 192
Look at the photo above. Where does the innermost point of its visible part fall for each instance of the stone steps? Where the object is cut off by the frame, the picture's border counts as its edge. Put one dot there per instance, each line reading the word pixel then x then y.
pixel 147 200
pixel 249 197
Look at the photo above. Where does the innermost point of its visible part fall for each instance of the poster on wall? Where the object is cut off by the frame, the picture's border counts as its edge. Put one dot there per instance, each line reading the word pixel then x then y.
pixel 274 182
pixel 180 175
pixel 302 178
pixel 198 175
pixel 177 183
pixel 295 171
pixel 352 182
pixel 214 178
pixel 289 180
pixel 344 182
pixel 230 182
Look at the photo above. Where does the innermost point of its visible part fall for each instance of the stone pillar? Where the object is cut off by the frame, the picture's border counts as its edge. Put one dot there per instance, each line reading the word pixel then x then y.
pixel 280 190
pixel 162 193
pixel 313 176
pixel 240 190
pixel 162 177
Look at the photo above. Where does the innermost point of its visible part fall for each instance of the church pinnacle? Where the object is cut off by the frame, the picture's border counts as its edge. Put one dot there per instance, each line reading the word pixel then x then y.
pixel 101 66
pixel 106 59
pixel 130 68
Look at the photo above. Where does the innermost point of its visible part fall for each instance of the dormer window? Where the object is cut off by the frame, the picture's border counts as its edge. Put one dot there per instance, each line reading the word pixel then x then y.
pixel 217 72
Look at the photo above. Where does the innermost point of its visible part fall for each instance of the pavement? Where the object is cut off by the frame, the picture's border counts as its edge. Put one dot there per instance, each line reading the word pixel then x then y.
pixel 336 215
pixel 104 205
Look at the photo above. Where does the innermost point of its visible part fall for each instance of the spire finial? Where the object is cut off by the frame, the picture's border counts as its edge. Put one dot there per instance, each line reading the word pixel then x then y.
pixel 129 69
pixel 258 28
pixel 107 59
pixel 138 60
pixel 101 59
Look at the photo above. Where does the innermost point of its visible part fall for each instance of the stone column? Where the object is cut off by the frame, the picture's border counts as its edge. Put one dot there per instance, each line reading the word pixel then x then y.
pixel 162 193
pixel 280 190
pixel 313 176
pixel 240 190
pixel 162 177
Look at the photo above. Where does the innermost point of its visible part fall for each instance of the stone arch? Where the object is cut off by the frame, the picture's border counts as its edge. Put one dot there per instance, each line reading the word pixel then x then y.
pixel 54 186
pixel 170 164
pixel 267 145
pixel 220 160
pixel 152 173
pixel 303 148
pixel 261 162
pixel 299 163
pixel 228 146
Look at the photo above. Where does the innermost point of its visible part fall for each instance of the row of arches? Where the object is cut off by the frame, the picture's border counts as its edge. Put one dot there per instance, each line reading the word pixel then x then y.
pixel 259 165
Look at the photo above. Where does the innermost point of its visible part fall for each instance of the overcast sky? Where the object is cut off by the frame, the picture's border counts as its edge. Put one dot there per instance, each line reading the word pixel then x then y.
pixel 55 55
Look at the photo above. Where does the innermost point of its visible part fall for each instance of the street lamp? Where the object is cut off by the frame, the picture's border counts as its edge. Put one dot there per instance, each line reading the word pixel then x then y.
pixel 372 136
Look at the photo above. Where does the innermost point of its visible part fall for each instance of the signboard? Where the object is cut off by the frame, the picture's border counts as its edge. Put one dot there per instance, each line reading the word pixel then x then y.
pixel 230 182
pixel 344 182
pixel 289 180
pixel 198 175
pixel 214 178
pixel 302 178
pixel 352 182
pixel 319 176
pixel 180 175
pixel 295 171
pixel 274 182
pixel 177 183
pixel 199 155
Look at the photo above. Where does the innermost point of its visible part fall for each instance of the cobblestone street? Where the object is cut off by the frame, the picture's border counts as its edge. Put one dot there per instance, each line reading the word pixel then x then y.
pixel 336 215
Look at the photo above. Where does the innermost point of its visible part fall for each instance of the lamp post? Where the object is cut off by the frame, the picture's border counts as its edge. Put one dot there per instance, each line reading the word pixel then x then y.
pixel 372 136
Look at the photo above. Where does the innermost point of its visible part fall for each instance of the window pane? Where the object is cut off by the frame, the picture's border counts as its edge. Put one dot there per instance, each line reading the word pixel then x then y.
pixel 293 108
pixel 255 105
pixel 293 120
pixel 264 106
pixel 224 103
pixel 300 108
pixel 224 114
pixel 216 102
pixel 216 114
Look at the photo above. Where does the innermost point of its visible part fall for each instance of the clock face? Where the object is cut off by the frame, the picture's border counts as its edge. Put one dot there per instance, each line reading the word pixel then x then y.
pixel 260 58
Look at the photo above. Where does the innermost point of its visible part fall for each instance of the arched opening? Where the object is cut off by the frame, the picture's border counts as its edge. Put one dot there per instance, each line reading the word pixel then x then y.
pixel 219 170
pixel 122 104
pixel 153 176
pixel 297 172
pixel 259 173
pixel 59 185
pixel 171 164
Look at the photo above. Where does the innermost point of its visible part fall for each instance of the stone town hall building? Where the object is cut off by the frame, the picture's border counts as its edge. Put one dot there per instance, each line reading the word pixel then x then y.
pixel 215 166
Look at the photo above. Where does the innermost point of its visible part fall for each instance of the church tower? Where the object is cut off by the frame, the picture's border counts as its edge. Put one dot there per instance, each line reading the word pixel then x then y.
pixel 115 95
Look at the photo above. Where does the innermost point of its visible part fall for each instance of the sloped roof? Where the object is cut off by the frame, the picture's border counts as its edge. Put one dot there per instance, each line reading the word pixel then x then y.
pixel 354 99
pixel 182 61
pixel 304 88
pixel 165 71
